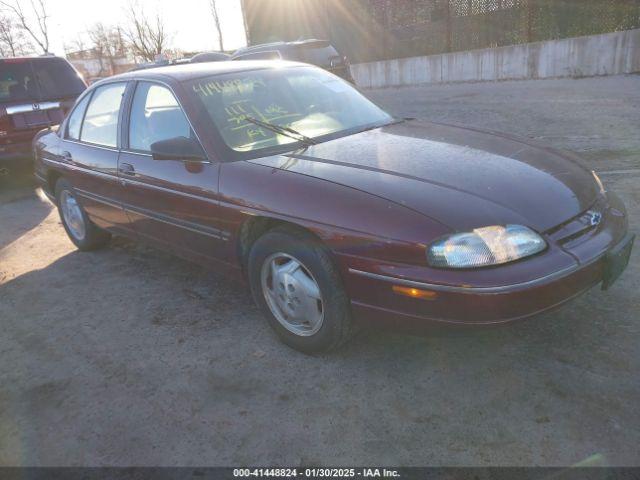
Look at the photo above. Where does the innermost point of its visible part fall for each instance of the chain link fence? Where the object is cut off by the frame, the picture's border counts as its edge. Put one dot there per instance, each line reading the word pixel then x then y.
pixel 370 30
pixel 425 27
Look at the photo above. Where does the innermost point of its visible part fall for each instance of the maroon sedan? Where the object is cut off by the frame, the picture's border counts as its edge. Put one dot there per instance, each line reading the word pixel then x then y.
pixel 333 211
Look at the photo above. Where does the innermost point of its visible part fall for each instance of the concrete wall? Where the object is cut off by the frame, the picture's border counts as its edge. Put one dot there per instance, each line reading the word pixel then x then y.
pixel 608 54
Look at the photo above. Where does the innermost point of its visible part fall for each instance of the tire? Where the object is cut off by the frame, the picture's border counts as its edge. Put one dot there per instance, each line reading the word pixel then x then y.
pixel 92 237
pixel 287 245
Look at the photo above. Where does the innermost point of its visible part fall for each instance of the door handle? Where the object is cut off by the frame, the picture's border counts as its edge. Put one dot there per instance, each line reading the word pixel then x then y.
pixel 126 169
pixel 67 157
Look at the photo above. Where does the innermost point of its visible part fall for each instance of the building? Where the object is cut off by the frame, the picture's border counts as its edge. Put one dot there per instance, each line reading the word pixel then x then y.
pixel 93 65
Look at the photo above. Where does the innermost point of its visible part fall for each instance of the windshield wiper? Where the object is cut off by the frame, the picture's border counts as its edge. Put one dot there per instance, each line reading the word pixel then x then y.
pixel 286 131
pixel 394 121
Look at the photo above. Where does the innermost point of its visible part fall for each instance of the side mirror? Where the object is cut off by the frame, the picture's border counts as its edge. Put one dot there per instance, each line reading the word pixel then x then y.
pixel 178 148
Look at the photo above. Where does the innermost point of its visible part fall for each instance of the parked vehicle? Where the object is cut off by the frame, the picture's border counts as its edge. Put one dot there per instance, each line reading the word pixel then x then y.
pixel 315 52
pixel 35 92
pixel 148 65
pixel 333 211
pixel 210 57
pixel 198 58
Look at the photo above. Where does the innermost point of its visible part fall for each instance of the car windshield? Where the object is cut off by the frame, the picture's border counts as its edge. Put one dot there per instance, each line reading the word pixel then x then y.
pixel 308 100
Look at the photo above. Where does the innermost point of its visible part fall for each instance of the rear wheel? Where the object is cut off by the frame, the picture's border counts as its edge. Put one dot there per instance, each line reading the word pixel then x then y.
pixel 82 232
pixel 299 290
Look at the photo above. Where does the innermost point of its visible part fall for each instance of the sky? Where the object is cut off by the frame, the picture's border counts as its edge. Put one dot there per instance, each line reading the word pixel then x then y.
pixel 189 22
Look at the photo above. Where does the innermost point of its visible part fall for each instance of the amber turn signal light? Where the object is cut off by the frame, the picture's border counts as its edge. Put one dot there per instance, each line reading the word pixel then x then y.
pixel 414 292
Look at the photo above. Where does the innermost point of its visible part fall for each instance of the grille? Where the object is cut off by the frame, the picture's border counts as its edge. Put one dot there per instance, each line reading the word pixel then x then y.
pixel 581 227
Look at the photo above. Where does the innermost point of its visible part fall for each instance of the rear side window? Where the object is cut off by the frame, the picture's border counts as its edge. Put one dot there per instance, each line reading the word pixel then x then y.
pixel 155 116
pixel 100 124
pixel 75 120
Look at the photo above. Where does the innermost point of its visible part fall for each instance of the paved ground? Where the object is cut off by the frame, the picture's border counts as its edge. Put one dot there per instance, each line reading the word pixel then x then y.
pixel 597 117
pixel 130 357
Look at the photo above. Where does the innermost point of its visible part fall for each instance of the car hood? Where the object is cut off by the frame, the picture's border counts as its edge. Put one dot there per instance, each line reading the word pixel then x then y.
pixel 461 177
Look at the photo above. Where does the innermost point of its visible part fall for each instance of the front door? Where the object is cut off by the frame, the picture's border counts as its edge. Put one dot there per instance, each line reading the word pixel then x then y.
pixel 172 202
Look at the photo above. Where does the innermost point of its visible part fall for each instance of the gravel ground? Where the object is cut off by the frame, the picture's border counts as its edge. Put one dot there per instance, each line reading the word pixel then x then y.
pixel 131 357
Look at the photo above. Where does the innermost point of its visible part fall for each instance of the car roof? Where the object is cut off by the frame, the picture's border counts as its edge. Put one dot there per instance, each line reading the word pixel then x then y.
pixel 191 71
pixel 41 58
pixel 277 45
pixel 209 56
pixel 253 48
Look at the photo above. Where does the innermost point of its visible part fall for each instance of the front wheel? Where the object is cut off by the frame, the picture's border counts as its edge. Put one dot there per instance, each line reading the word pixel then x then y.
pixel 82 232
pixel 298 288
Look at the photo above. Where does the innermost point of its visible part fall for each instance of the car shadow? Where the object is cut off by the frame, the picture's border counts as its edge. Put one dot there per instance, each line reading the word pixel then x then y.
pixel 134 279
pixel 132 339
pixel 149 287
pixel 15 183
pixel 22 206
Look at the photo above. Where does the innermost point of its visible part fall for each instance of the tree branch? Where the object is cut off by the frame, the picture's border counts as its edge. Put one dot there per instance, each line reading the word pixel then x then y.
pixel 42 39
pixel 216 21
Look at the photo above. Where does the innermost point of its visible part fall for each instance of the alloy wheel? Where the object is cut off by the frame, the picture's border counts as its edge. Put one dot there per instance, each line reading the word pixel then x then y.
pixel 72 215
pixel 292 294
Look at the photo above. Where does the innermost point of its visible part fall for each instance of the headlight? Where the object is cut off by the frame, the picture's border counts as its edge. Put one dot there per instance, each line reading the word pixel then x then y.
pixel 484 247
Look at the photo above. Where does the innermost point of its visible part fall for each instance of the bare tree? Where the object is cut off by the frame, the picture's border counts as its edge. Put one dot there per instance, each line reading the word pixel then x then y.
pixel 216 22
pixel 12 40
pixel 35 27
pixel 147 37
pixel 245 22
pixel 107 44
pixel 75 47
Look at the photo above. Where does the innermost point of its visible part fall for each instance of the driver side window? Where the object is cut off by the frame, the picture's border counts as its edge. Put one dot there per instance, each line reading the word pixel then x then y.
pixel 155 116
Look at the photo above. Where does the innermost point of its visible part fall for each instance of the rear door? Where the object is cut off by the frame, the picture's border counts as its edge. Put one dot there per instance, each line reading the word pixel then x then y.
pixel 170 202
pixel 89 149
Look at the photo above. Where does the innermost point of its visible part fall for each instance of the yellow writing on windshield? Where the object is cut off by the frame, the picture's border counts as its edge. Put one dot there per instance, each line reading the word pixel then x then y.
pixel 238 102
pixel 236 86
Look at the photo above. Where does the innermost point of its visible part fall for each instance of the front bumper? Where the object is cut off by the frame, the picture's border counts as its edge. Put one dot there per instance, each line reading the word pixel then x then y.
pixel 473 306
pixel 374 300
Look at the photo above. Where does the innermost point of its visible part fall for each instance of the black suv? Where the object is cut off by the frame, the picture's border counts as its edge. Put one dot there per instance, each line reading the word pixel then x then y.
pixel 316 52
pixel 35 93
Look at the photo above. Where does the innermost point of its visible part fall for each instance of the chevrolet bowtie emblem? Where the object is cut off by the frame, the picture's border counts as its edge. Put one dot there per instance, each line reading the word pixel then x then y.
pixel 594 218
